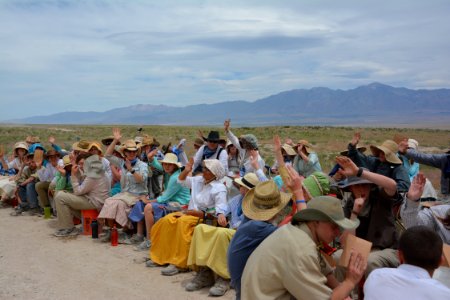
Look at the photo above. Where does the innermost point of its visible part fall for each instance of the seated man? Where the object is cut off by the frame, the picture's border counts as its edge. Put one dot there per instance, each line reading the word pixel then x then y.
pixel 420 252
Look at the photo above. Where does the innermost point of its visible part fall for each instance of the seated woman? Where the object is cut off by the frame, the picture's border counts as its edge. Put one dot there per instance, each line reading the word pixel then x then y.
pixel 173 194
pixel 134 187
pixel 7 184
pixel 171 236
pixel 89 194
pixel 305 162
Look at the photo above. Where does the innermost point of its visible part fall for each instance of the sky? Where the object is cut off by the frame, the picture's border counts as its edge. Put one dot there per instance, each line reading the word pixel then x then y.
pixel 96 55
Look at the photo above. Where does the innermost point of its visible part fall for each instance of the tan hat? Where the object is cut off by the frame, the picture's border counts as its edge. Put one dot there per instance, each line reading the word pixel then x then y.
pixel 199 142
pixel 130 145
pixel 148 141
pixel 82 146
pixel 171 158
pixel 215 166
pixel 66 161
pixel 96 145
pixel 250 180
pixel 264 201
pixel 32 139
pixel 289 149
pixel 20 145
pixel 304 143
pixel 119 150
pixel 390 149
pixel 325 208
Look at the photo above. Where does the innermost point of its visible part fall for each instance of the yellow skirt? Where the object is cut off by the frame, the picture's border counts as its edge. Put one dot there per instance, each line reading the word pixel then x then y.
pixel 171 238
pixel 209 249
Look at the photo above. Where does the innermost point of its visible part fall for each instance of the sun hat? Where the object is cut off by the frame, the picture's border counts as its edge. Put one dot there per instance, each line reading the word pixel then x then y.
pixel 52 152
pixel 390 149
pixel 93 167
pixel 66 161
pixel 413 144
pixel 250 180
pixel 138 139
pixel 108 140
pixel 215 167
pixel 199 142
pixel 264 201
pixel 119 150
pixel 82 146
pixel 130 145
pixel 325 208
pixel 96 145
pixel 213 136
pixel 317 184
pixel 359 149
pixel 32 139
pixel 305 143
pixel 249 139
pixel 289 149
pixel 20 145
pixel 171 158
pixel 353 180
pixel 147 141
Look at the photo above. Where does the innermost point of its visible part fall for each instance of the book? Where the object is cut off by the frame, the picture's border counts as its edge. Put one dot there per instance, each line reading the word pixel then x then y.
pixel 358 245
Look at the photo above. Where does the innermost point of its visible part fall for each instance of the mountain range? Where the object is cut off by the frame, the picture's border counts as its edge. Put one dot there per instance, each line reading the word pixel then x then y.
pixel 375 104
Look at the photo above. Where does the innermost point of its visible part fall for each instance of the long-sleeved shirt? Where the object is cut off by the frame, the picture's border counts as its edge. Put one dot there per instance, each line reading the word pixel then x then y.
pixel 245 163
pixel 173 191
pixel 127 181
pixel 307 168
pixel 211 197
pixel 47 173
pixel 413 214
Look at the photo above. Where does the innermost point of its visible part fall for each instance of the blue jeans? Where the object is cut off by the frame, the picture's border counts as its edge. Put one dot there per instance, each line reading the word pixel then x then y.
pixel 28 196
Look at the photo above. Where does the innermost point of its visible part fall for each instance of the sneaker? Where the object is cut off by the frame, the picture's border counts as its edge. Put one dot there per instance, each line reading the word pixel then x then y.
pixel 135 239
pixel 220 287
pixel 123 237
pixel 204 278
pixel 105 237
pixel 67 232
pixel 171 270
pixel 19 211
pixel 144 245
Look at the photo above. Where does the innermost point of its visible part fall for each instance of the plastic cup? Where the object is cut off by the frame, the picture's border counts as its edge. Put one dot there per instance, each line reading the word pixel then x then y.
pixel 47 212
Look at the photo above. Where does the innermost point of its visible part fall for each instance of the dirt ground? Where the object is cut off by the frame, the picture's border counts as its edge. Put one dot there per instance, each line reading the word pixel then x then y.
pixel 36 265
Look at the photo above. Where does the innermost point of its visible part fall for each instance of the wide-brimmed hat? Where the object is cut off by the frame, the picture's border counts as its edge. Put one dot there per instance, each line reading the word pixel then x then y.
pixel 390 149
pixel 119 150
pixel 108 140
pixel 250 180
pixel 325 208
pixel 93 167
pixel 413 144
pixel 32 139
pixel 215 166
pixel 264 201
pixel 148 141
pixel 353 180
pixel 130 145
pixel 171 158
pixel 249 139
pixel 96 145
pixel 82 146
pixel 305 143
pixel 361 149
pixel 213 136
pixel 52 152
pixel 289 149
pixel 20 145
pixel 66 161
pixel 317 184
pixel 199 142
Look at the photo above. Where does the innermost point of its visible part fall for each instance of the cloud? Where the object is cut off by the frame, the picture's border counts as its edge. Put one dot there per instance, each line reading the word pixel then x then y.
pixel 97 55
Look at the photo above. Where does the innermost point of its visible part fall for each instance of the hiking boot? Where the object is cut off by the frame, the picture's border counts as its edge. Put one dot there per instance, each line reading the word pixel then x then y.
pixel 144 245
pixel 220 287
pixel 171 270
pixel 19 211
pixel 67 232
pixel 204 278
pixel 151 264
pixel 105 237
pixel 135 239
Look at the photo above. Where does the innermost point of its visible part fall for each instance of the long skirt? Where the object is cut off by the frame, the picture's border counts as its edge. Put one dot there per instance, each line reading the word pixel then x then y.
pixel 209 248
pixel 171 238
pixel 118 207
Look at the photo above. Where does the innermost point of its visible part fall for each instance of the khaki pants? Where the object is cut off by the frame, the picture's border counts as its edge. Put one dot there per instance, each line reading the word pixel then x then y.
pixel 42 191
pixel 69 205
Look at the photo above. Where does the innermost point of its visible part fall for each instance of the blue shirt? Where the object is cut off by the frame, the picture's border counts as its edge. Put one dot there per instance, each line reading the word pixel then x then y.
pixel 247 238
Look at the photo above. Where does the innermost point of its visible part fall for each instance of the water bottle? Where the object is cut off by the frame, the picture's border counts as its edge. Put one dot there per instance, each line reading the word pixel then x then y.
pixel 114 236
pixel 94 227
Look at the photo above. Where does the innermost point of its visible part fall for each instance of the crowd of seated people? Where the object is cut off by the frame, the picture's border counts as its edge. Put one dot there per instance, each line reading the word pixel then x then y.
pixel 260 233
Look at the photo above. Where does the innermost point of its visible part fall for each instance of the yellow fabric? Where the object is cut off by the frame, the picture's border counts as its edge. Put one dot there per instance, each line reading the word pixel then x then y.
pixel 209 248
pixel 171 237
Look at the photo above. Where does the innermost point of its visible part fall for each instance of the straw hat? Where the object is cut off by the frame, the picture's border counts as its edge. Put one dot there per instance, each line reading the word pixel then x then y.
pixel 119 150
pixel 147 141
pixel 305 143
pixel 390 149
pixel 264 201
pixel 52 152
pixel 325 208
pixel 130 145
pixel 96 145
pixel 215 166
pixel 289 149
pixel 82 146
pixel 250 180
pixel 32 139
pixel 66 161
pixel 93 167
pixel 20 145
pixel 171 158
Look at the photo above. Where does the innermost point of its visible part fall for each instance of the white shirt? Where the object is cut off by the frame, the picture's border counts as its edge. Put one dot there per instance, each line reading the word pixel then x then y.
pixel 48 172
pixel 223 158
pixel 206 197
pixel 407 282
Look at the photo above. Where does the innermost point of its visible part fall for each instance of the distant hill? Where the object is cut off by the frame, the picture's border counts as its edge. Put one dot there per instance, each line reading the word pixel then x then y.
pixel 372 105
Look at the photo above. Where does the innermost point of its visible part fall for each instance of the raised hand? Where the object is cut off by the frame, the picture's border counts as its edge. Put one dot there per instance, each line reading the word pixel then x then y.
pixel 348 166
pixel 295 181
pixel 356 138
pixel 276 143
pixel 403 146
pixel 151 153
pixel 188 166
pixel 226 124
pixel 51 140
pixel 116 133
pixel 417 187
pixel 254 159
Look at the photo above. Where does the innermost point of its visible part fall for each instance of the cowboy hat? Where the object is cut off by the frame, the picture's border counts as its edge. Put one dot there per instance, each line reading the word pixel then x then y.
pixel 264 201
pixel 66 161
pixel 171 158
pixel 325 208
pixel 390 149
pixel 250 180
pixel 96 145
pixel 213 136
pixel 130 145
pixel 82 146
